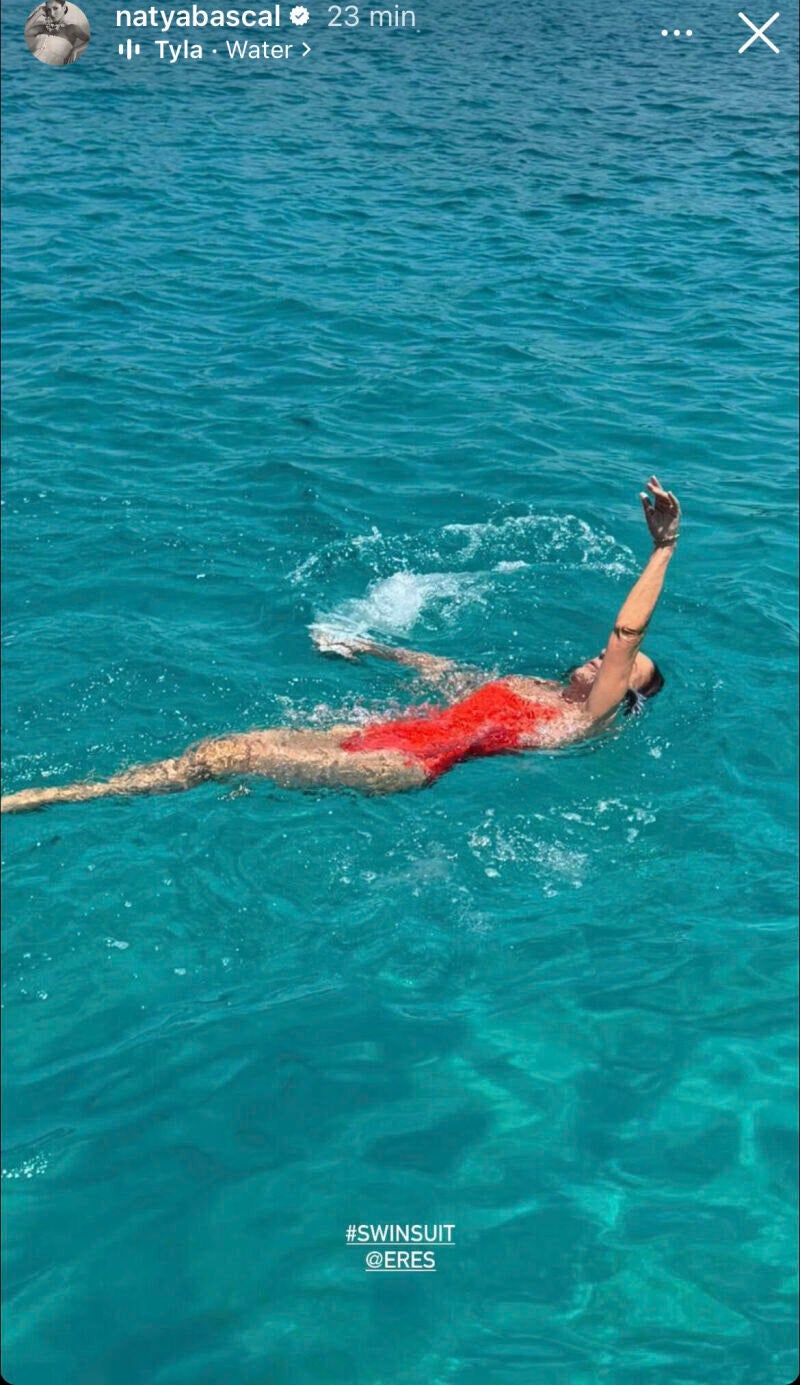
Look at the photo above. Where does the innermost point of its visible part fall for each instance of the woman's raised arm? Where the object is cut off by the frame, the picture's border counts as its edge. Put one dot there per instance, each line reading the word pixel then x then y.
pixel 613 679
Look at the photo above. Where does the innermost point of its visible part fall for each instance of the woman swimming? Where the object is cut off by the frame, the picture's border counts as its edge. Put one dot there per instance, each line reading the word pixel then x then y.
pixel 496 716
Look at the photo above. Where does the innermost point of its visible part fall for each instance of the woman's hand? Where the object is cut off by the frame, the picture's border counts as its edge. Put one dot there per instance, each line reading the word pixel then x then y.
pixel 663 515
pixel 330 641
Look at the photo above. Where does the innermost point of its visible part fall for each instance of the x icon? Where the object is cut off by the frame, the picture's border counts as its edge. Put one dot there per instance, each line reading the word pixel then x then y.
pixel 759 33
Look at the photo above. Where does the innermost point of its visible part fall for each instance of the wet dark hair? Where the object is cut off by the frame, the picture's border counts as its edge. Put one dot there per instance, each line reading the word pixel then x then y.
pixel 635 698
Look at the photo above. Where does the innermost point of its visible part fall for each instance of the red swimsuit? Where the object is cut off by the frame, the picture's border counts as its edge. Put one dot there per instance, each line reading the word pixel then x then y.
pixel 488 722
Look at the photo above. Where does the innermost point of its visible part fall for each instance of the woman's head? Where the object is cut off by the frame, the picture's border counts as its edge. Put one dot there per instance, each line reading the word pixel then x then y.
pixel 646 680
pixel 636 697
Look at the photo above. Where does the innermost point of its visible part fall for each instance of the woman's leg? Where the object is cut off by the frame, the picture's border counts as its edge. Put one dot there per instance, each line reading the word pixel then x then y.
pixel 162 776
pixel 315 759
pixel 294 759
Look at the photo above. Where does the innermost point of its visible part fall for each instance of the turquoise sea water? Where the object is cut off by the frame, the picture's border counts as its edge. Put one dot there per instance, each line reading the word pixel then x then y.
pixel 393 338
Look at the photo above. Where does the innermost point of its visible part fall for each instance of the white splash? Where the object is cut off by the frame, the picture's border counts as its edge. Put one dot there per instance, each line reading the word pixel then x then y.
pixel 394 604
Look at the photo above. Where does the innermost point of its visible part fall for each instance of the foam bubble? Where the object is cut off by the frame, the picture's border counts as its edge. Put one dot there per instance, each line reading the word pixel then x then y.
pixel 499 544
pixel 29 1168
pixel 557 863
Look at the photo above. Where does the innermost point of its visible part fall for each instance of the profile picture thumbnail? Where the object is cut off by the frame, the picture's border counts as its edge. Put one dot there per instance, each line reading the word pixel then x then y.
pixel 57 32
